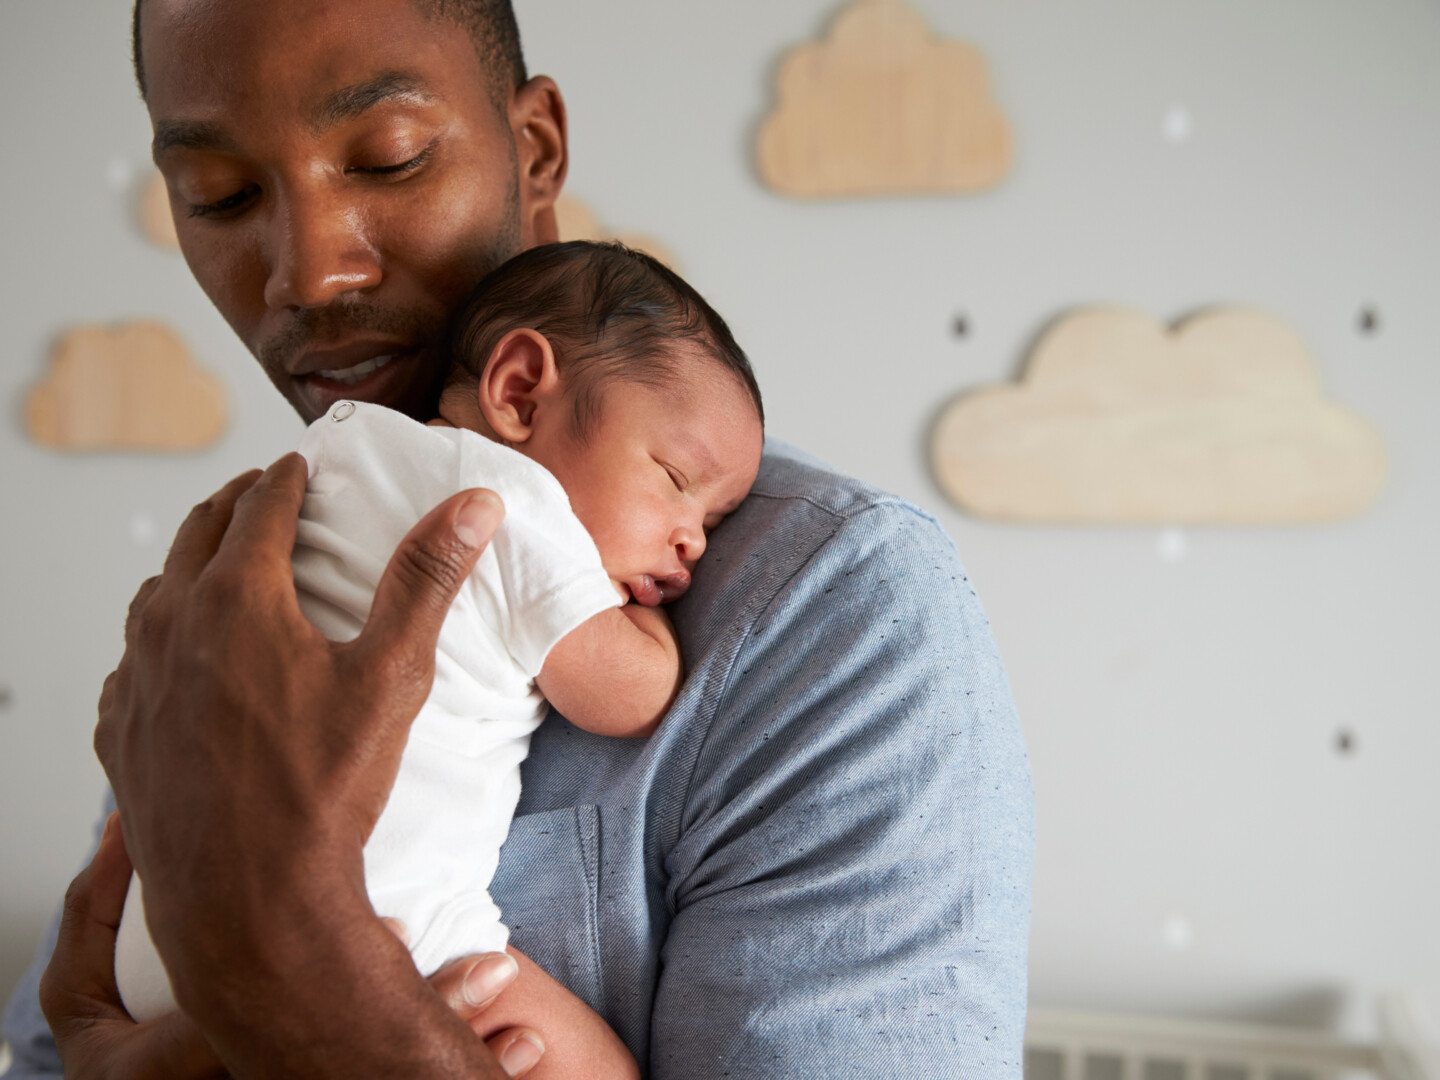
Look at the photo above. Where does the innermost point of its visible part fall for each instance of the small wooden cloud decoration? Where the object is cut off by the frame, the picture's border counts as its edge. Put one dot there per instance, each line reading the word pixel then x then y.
pixel 883 107
pixel 1117 420
pixel 129 387
pixel 578 222
pixel 152 210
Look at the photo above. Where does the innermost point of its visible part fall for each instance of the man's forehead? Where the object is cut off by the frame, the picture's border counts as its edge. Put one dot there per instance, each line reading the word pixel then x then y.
pixel 351 49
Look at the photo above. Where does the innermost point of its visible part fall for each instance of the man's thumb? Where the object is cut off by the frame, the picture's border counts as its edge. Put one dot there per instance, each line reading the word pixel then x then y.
pixel 426 573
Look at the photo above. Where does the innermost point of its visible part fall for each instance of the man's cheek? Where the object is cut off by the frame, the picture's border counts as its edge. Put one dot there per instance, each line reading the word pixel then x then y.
pixel 453 239
pixel 233 277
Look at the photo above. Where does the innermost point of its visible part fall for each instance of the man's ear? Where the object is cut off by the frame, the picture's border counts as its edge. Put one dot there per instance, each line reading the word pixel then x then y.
pixel 537 121
pixel 520 379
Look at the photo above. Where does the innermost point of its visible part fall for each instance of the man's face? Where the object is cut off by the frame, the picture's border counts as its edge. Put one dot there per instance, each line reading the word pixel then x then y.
pixel 341 177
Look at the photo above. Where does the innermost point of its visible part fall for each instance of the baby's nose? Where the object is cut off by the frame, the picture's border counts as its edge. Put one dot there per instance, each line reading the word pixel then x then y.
pixel 690 545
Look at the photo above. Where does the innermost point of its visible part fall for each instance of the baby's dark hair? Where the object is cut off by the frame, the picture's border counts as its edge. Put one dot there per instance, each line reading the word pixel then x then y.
pixel 608 311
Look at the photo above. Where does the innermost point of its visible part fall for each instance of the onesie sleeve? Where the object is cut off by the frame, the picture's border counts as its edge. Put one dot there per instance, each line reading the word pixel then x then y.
pixel 550 571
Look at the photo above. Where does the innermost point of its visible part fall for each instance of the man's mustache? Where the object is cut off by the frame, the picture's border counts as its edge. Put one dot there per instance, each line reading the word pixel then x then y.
pixel 340 323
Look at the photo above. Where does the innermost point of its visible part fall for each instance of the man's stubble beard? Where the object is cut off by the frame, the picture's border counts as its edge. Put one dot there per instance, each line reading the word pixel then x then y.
pixel 349 317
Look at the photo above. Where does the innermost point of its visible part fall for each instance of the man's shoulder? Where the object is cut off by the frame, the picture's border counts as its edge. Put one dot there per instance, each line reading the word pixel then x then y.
pixel 789 474
pixel 811 537
pixel 805 514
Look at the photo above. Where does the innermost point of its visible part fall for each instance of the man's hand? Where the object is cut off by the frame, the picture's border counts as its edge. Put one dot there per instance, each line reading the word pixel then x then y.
pixel 97 1039
pixel 94 1033
pixel 226 692
pixel 250 758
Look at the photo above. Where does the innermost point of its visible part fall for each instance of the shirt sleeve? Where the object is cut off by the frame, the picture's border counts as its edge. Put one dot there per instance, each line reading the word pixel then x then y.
pixel 851 887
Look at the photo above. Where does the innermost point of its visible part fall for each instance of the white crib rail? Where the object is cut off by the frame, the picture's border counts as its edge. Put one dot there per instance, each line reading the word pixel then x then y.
pixel 1405 1047
pixel 1066 1045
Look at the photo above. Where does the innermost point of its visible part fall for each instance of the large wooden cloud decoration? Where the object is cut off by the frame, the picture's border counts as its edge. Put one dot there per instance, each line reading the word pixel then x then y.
pixel 152 213
pixel 129 387
pixel 883 107
pixel 577 221
pixel 1119 420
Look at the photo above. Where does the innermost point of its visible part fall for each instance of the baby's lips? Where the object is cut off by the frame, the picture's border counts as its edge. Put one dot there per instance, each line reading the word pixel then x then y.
pixel 652 591
pixel 673 587
pixel 644 591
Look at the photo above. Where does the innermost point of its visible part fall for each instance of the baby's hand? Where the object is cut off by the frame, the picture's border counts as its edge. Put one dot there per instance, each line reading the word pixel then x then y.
pixel 470 986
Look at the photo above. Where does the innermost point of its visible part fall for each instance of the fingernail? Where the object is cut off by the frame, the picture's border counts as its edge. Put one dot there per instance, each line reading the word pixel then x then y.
pixel 488 977
pixel 522 1054
pixel 111 824
pixel 477 519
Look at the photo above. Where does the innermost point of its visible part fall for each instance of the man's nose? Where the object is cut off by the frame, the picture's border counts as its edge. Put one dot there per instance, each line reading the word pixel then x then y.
pixel 319 250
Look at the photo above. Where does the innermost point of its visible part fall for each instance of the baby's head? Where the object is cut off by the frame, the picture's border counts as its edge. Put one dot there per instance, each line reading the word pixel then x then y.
pixel 605 367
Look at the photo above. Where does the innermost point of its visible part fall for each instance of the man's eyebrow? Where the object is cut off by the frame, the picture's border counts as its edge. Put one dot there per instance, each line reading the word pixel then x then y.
pixel 344 104
pixel 188 135
pixel 350 101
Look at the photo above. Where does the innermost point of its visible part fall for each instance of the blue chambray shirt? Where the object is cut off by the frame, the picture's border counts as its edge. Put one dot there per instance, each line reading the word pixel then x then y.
pixel 820 864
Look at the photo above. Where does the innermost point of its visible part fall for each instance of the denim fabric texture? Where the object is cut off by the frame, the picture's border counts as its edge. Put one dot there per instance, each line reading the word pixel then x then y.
pixel 820 864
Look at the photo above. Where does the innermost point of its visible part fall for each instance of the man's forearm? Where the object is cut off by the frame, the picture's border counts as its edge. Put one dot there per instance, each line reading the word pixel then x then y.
pixel 333 994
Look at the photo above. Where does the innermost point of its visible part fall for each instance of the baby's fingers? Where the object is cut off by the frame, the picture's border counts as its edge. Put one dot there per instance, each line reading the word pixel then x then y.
pixel 517 1049
pixel 471 985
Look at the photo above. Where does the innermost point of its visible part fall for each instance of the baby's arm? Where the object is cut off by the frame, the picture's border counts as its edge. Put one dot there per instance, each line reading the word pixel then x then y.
pixel 616 673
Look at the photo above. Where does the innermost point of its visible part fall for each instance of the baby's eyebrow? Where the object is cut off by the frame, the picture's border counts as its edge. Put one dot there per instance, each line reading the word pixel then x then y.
pixel 702 455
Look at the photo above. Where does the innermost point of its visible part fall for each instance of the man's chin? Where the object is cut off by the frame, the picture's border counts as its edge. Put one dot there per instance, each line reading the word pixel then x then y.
pixel 406 384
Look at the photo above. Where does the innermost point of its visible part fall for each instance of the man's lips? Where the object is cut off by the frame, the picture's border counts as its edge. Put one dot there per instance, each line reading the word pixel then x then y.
pixel 384 378
pixel 347 363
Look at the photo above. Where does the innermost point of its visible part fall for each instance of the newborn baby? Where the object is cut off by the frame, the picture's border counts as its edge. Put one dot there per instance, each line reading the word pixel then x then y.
pixel 611 409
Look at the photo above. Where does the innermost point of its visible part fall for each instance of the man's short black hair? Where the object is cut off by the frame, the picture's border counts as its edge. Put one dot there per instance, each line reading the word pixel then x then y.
pixel 609 312
pixel 490 23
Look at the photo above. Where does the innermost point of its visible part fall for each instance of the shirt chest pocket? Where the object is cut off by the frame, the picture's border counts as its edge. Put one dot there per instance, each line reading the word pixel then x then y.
pixel 547 886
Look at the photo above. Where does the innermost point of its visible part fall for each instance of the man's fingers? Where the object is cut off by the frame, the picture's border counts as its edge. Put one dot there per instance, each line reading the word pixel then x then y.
pixel 423 577
pixel 517 1049
pixel 82 967
pixel 203 529
pixel 262 526
pixel 137 606
pixel 107 879
pixel 470 985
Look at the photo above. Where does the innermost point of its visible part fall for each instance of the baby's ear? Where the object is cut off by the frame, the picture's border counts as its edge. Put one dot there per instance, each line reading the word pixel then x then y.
pixel 519 378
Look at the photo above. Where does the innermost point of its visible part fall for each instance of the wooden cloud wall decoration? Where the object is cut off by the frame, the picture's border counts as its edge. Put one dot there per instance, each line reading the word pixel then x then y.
pixel 577 221
pixel 129 387
pixel 152 213
pixel 1121 421
pixel 883 107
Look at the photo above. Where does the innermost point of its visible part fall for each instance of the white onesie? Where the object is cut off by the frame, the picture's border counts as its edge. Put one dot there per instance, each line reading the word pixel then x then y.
pixel 373 474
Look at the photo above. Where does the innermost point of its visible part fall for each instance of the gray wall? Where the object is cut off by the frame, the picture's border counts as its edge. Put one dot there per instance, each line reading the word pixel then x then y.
pixel 1181 715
